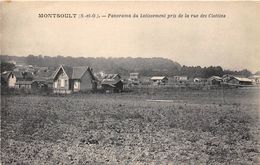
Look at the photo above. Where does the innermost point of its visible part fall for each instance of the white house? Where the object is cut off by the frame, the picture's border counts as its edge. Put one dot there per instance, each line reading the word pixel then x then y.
pixel 159 80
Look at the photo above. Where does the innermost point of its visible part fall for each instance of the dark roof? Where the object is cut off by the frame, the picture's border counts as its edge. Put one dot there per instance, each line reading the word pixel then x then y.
pixel 73 72
pixel 43 74
pixel 23 75
pixel 111 76
pixel 68 70
pixel 24 82
pixel 109 85
pixel 18 74
pixel 78 72
pixel 111 79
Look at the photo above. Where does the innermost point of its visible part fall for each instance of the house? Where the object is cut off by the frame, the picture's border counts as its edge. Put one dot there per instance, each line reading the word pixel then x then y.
pixel 199 80
pixel 215 80
pixel 239 81
pixel 134 78
pixel 112 83
pixel 68 79
pixel 159 80
pixel 8 79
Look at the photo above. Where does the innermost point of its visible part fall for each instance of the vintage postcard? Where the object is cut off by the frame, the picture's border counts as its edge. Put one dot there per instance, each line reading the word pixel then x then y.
pixel 130 82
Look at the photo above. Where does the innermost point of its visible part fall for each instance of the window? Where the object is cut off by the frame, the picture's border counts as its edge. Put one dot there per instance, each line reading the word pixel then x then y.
pixel 62 83
pixel 55 84
pixel 76 85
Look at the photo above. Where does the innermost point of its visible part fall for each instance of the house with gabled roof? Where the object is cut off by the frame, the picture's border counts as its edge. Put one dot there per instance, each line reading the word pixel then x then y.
pixel 8 79
pixel 240 81
pixel 237 81
pixel 215 80
pixel 68 79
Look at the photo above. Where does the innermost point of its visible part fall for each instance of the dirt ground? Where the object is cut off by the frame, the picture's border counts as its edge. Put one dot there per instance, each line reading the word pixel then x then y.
pixel 195 127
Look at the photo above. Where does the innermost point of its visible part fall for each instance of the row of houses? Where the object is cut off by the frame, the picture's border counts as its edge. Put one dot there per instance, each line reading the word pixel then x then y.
pixel 64 79
pixel 233 80
pixel 214 80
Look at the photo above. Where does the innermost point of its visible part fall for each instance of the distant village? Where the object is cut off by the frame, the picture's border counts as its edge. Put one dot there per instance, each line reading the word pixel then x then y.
pixel 67 79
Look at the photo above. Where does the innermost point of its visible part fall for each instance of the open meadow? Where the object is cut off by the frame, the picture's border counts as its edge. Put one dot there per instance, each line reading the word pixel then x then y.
pixel 194 127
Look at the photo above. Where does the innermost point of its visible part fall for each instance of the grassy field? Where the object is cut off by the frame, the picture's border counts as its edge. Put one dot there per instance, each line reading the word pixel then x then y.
pixel 196 127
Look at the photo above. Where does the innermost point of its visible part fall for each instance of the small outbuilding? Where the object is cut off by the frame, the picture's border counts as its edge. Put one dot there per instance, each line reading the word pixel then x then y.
pixel 112 83
pixel 159 80
pixel 134 79
pixel 215 80
pixel 134 76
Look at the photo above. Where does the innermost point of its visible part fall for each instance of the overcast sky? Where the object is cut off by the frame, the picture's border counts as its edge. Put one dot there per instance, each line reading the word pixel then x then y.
pixel 231 42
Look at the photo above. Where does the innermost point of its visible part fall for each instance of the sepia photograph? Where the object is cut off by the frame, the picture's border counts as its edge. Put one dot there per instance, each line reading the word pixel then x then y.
pixel 128 82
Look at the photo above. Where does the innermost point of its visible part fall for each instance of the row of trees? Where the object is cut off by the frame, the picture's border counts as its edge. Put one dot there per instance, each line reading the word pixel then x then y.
pixel 124 66
pixel 207 72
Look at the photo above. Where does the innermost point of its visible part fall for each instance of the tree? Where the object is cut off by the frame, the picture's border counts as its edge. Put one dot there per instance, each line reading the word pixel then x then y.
pixel 5 66
pixel 245 73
